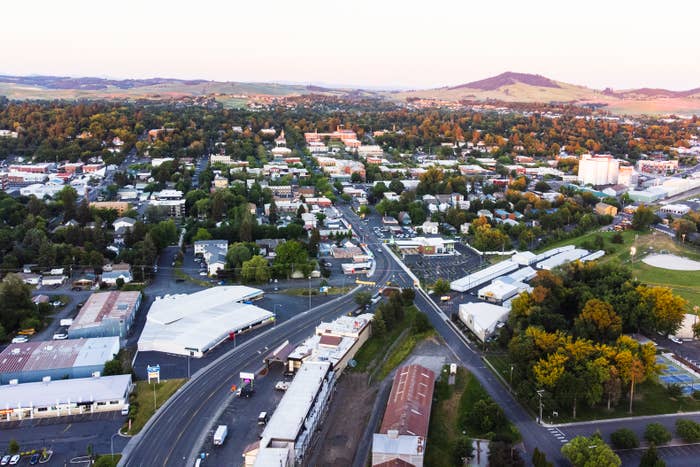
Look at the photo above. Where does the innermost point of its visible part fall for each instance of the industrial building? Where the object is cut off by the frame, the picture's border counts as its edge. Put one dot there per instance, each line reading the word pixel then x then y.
pixel 291 428
pixel 106 314
pixel 501 289
pixel 562 258
pixel 336 342
pixel 599 169
pixel 194 324
pixel 72 358
pixel 404 431
pixel 62 397
pixel 483 276
pixel 482 318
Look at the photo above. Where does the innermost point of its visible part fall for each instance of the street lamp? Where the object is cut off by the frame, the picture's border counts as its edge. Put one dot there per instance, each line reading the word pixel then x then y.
pixel 511 377
pixel 309 292
pixel 111 444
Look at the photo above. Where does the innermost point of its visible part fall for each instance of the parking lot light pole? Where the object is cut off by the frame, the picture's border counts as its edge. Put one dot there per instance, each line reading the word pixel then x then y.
pixel 309 292
pixel 539 394
pixel 111 444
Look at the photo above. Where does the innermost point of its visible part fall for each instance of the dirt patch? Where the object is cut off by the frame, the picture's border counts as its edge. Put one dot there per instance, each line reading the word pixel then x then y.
pixel 346 422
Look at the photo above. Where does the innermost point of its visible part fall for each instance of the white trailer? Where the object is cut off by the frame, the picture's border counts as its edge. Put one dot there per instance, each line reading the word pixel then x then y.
pixel 220 435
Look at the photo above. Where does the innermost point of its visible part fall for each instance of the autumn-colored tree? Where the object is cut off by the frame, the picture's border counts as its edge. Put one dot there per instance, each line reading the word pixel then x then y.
pixel 598 321
pixel 666 309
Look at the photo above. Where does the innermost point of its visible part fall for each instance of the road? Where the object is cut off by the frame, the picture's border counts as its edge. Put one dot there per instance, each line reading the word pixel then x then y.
pixel 174 434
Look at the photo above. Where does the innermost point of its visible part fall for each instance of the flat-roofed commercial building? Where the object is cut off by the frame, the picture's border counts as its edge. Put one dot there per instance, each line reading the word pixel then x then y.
pixel 64 397
pixel 404 431
pixel 291 428
pixel 106 314
pixel 194 324
pixel 71 358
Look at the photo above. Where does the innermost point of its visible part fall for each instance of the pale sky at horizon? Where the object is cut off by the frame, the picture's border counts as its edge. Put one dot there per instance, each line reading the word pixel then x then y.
pixel 621 44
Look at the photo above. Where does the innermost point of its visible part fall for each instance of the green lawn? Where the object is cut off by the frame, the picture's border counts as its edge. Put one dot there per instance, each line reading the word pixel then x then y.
pixel 401 351
pixel 650 398
pixel 444 420
pixel 374 349
pixel 142 401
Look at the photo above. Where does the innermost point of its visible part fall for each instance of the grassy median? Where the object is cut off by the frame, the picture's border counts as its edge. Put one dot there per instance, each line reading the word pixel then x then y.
pixel 143 404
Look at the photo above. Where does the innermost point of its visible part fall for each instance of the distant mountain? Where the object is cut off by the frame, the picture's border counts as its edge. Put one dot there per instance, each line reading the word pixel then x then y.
pixel 530 88
pixel 508 78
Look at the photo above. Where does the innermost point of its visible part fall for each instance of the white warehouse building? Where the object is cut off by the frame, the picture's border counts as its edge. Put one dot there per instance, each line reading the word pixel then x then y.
pixel 194 324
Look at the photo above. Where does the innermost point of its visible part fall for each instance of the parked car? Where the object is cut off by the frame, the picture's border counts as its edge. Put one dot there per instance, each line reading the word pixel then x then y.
pixel 675 339
pixel 20 339
pixel 60 335
pixel 282 386
pixel 4 460
pixel 14 459
pixel 34 459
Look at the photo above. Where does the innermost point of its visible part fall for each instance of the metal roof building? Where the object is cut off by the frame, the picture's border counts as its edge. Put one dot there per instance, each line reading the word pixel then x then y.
pixel 404 429
pixel 73 358
pixel 64 397
pixel 194 324
pixel 483 276
pixel 293 423
pixel 562 258
pixel 106 314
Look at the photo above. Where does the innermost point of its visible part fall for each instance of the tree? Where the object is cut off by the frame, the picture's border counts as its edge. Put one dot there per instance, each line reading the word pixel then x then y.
pixel 396 186
pixel 68 196
pixel 120 282
pixel 651 458
pixel 657 434
pixel 379 325
pixel 542 186
pixel 464 447
pixel 441 287
pixel 486 416
pixel 666 309
pixel 363 298
pixel 202 234
pixel 15 302
pixel 624 438
pixel 643 217
pixel 255 269
pixel 688 430
pixel 539 459
pixel 112 367
pixel 504 454
pixel 590 452
pixel 273 216
pixel 598 321
pixel 408 295
pixel 237 254
pixel 291 256
pixel 421 323
pixel 13 446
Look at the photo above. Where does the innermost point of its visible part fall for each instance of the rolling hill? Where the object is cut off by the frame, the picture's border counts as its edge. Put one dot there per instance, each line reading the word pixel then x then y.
pixel 506 87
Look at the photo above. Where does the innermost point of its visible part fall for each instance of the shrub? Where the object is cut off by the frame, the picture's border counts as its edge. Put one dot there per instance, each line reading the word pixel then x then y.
pixel 657 433
pixel 688 430
pixel 624 438
pixel 13 447
pixel 674 390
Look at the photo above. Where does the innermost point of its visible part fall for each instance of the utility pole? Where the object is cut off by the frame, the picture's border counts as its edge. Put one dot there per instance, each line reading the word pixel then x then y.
pixel 539 394
pixel 309 292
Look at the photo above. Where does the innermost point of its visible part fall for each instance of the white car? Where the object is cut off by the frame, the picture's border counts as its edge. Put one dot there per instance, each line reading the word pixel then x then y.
pixel 675 339
pixel 5 460
pixel 59 336
pixel 282 386
pixel 15 459
pixel 20 339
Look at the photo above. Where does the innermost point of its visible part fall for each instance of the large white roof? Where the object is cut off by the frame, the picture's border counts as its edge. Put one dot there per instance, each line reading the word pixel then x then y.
pixel 561 258
pixel 285 424
pixel 484 315
pixel 176 323
pixel 104 388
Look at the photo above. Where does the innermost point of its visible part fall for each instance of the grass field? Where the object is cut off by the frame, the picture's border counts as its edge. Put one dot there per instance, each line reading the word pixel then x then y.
pixel 444 431
pixel 372 351
pixel 142 401
pixel 650 398
pixel 684 283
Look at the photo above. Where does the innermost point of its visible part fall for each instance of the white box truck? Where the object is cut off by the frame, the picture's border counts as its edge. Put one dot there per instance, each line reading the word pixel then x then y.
pixel 220 435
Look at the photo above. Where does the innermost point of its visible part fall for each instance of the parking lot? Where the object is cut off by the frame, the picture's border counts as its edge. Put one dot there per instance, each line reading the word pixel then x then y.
pixel 431 268
pixel 674 456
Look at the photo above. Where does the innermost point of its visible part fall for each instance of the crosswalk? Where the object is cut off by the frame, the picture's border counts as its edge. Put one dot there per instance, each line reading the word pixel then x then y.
pixel 558 434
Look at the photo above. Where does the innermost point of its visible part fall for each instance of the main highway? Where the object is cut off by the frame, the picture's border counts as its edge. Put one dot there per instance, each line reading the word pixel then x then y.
pixel 172 436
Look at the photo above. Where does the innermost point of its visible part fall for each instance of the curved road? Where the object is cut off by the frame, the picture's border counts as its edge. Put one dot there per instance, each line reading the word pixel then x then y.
pixel 173 433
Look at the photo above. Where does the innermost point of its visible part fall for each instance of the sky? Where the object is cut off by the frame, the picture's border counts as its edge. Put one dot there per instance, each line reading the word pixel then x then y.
pixel 379 43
